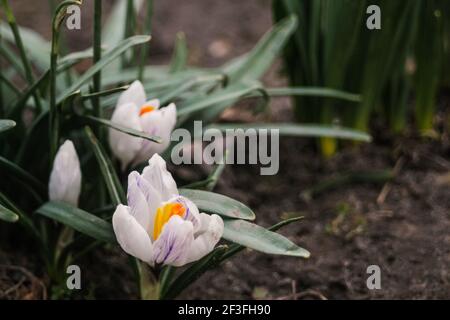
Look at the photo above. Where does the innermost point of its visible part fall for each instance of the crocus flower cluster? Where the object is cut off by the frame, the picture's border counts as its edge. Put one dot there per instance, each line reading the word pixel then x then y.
pixel 158 225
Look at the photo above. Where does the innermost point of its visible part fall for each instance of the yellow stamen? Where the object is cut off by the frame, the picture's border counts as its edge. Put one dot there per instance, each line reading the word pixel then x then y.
pixel 163 214
pixel 146 109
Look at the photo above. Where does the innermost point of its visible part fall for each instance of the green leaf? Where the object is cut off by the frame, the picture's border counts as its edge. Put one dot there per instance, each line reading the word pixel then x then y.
pixel 23 219
pixel 6 125
pixel 301 130
pixel 219 204
pixel 104 93
pixel 236 248
pixel 21 174
pixel 12 58
pixel 109 174
pixel 314 92
pixel 79 220
pixel 29 91
pixel 32 141
pixel 227 96
pixel 73 58
pixel 7 215
pixel 36 46
pixel 193 273
pixel 180 55
pixel 114 30
pixel 254 64
pixel 179 87
pixel 107 58
pixel 255 237
pixel 130 131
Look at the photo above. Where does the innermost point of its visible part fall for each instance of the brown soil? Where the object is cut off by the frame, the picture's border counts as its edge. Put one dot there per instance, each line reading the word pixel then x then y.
pixel 346 229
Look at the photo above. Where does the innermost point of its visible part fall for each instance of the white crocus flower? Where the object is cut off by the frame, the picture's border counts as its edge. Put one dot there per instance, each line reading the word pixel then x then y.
pixel 134 111
pixel 65 178
pixel 159 226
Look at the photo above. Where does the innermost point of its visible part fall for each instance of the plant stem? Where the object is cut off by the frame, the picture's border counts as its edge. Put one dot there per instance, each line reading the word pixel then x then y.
pixel 97 57
pixel 148 283
pixel 129 27
pixel 1 83
pixel 54 124
pixel 18 39
pixel 147 31
pixel 4 80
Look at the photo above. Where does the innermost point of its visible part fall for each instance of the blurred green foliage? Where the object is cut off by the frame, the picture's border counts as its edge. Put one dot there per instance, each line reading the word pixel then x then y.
pixel 333 47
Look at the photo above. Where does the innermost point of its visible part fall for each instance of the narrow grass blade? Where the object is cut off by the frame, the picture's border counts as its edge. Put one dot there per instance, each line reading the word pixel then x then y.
pixel 254 64
pixel 37 48
pixel 109 174
pixel 301 130
pixel 21 174
pixel 23 55
pixel 114 31
pixel 227 96
pixel 7 215
pixel 97 78
pixel 180 54
pixel 131 132
pixel 314 92
pixel 107 58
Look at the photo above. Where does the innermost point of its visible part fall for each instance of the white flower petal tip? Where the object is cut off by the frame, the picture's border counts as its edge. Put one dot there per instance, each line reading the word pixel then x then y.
pixel 157 175
pixel 134 94
pixel 135 112
pixel 161 123
pixel 65 178
pixel 160 226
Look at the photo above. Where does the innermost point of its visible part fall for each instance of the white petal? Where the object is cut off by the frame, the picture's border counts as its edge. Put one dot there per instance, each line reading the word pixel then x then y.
pixel 155 103
pixel 171 246
pixel 131 236
pixel 65 178
pixel 169 114
pixel 192 214
pixel 151 196
pixel 124 146
pixel 158 123
pixel 137 201
pixel 157 175
pixel 135 94
pixel 150 123
pixel 209 235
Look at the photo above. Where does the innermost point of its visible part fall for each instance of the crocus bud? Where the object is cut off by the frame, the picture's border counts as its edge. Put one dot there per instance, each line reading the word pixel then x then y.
pixel 65 178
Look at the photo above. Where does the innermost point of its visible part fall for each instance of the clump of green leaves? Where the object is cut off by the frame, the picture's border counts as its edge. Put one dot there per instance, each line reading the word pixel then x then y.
pixel 333 47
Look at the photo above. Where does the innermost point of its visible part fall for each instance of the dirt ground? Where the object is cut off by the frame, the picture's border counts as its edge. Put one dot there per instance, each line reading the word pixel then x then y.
pixel 402 226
